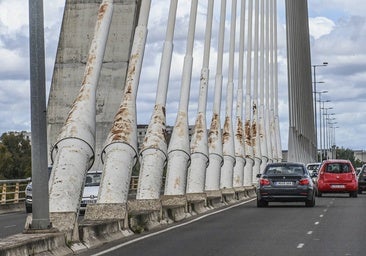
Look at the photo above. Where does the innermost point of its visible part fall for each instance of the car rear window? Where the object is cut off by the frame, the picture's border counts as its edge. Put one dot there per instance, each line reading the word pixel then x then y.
pixel 338 168
pixel 93 179
pixel 285 170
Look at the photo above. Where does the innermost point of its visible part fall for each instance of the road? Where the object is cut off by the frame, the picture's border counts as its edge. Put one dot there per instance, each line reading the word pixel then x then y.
pixel 335 226
pixel 12 223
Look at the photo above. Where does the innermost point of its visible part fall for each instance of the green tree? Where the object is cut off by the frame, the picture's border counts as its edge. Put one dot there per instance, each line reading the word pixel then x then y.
pixel 345 153
pixel 15 156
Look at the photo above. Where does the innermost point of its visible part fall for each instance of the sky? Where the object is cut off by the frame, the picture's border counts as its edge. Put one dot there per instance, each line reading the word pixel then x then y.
pixel 337 36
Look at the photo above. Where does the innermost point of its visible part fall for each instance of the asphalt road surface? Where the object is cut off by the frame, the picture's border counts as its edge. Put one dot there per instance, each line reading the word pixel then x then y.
pixel 12 223
pixel 335 226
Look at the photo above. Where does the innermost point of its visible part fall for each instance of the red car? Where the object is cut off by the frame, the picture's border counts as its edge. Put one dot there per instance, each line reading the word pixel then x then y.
pixel 337 176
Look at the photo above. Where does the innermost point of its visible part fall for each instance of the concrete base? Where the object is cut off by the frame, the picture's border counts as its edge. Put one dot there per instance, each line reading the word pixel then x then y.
pixel 93 233
pixel 251 191
pixel 214 198
pixel 174 207
pixel 228 195
pixel 144 214
pixel 197 203
pixel 63 221
pixel 35 243
pixel 99 212
pixel 240 193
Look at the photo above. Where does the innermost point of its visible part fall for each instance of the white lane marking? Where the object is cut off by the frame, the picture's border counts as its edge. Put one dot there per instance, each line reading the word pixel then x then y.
pixel 310 232
pixel 325 210
pixel 316 223
pixel 170 228
pixel 10 226
pixel 321 216
pixel 299 246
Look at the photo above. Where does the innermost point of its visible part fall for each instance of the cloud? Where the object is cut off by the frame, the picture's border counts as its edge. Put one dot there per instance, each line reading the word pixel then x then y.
pixel 338 36
pixel 320 26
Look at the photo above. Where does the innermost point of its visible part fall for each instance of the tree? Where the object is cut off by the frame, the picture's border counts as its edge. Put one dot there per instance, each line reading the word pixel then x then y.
pixel 15 156
pixel 342 153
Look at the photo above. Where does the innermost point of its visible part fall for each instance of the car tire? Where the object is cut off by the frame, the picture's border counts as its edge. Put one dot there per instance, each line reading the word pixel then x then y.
pixel 353 194
pixel 319 194
pixel 310 203
pixel 28 209
pixel 262 203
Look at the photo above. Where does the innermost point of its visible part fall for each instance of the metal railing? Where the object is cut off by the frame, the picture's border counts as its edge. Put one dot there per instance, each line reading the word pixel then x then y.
pixel 13 191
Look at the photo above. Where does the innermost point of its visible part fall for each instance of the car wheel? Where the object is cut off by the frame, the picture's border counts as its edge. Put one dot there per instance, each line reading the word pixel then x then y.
pixel 319 194
pixel 353 194
pixel 310 203
pixel 261 203
pixel 28 209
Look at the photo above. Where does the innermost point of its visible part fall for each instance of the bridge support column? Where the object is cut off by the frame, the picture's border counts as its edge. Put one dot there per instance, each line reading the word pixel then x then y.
pixel 74 151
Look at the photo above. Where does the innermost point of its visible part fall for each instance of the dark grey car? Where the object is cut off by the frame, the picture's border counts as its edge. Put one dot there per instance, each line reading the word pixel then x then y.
pixel 362 180
pixel 285 182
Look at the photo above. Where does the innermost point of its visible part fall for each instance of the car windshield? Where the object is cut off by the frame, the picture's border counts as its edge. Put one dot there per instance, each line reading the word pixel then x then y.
pixel 93 179
pixel 338 168
pixel 285 170
pixel 312 167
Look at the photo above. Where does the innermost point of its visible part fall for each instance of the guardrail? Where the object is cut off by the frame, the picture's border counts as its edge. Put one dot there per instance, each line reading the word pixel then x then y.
pixel 13 191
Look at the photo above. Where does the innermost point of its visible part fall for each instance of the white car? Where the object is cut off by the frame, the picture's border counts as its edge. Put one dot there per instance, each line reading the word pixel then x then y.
pixel 90 193
pixel 313 168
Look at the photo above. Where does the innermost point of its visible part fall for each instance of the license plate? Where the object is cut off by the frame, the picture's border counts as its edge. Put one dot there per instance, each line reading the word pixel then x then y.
pixel 89 201
pixel 284 183
pixel 337 186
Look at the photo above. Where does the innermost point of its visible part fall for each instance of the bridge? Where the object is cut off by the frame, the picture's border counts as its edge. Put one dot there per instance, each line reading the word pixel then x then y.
pixel 91 120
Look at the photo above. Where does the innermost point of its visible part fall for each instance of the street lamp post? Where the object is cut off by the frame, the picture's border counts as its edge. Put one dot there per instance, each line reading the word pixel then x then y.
pixel 329 123
pixel 320 121
pixel 325 130
pixel 331 136
pixel 314 90
pixel 334 147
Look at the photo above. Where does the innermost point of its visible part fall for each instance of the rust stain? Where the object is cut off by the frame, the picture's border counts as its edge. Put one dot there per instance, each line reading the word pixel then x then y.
pixel 248 135
pixel 215 122
pixel 213 134
pixel 198 131
pixel 122 126
pixel 177 182
pixel 226 130
pixel 180 124
pixel 102 9
pixel 132 68
pixel 254 108
pixel 254 133
pixel 237 180
pixel 239 130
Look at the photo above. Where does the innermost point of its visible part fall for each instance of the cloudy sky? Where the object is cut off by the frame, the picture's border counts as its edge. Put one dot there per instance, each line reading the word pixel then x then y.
pixel 338 36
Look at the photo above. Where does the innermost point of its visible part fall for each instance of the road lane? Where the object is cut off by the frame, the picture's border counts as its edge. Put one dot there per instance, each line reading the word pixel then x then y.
pixel 281 229
pixel 12 223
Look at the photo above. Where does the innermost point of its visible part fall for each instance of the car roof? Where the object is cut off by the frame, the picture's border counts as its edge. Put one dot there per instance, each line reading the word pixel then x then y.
pixel 337 161
pixel 314 163
pixel 285 163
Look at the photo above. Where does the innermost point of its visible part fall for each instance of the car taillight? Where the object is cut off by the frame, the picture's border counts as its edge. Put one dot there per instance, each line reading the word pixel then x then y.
pixel 304 182
pixel 264 182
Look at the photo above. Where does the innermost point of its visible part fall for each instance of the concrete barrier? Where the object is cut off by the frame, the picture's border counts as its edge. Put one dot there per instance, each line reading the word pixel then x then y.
pixel 53 243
